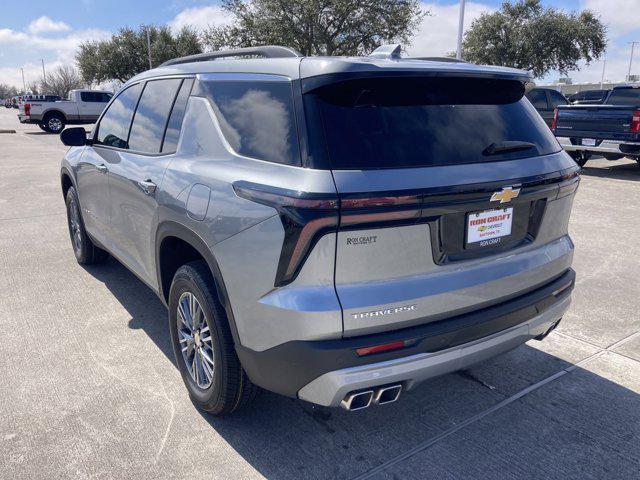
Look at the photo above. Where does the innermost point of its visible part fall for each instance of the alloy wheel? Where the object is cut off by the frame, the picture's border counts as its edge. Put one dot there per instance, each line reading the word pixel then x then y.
pixel 74 225
pixel 195 339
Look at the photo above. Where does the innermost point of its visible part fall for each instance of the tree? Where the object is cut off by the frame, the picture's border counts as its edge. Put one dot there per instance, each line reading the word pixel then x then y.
pixel 525 35
pixel 126 54
pixel 7 91
pixel 316 27
pixel 58 82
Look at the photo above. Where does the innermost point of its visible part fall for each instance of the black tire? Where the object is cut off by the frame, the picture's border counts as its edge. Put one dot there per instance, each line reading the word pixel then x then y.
pixel 83 248
pixel 53 122
pixel 43 127
pixel 230 389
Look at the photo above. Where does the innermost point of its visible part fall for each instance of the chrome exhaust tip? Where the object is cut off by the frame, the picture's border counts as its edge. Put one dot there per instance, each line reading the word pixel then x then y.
pixel 388 394
pixel 357 400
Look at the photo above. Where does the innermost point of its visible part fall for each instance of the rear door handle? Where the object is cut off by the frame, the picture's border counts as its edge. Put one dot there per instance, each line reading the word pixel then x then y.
pixel 147 186
pixel 102 168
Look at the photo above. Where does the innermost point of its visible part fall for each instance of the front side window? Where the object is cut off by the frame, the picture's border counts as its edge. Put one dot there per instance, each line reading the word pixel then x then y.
pixel 152 114
pixel 113 129
pixel 421 122
pixel 256 118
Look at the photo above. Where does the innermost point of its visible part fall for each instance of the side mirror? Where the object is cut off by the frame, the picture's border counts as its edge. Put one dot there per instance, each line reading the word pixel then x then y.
pixel 74 137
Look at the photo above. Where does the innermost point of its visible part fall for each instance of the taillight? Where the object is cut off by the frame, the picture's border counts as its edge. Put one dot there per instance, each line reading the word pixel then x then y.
pixel 635 121
pixel 555 119
pixel 305 218
pixel 27 109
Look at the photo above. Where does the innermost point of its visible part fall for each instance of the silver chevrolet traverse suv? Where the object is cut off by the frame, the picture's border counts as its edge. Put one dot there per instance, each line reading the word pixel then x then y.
pixel 332 229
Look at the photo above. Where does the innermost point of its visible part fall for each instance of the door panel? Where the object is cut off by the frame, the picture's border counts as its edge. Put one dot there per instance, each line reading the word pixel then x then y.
pixel 93 192
pixel 134 210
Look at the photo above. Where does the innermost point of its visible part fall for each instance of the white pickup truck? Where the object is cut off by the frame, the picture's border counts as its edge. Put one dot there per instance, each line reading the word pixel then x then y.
pixel 81 106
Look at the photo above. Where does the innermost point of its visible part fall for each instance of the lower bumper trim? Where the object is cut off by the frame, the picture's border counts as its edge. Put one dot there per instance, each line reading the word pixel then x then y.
pixel 289 367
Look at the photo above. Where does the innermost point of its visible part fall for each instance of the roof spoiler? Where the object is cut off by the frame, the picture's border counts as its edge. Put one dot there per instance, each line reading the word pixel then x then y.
pixel 267 51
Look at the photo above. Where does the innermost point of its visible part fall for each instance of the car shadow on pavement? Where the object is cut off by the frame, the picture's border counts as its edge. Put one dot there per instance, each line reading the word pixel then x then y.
pixel 578 425
pixel 618 171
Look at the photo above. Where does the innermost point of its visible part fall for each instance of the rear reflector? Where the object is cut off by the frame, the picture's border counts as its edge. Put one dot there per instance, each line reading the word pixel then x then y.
pixel 385 347
pixel 27 109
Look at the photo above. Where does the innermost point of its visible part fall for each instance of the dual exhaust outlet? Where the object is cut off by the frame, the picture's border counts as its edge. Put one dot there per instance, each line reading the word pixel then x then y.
pixel 377 396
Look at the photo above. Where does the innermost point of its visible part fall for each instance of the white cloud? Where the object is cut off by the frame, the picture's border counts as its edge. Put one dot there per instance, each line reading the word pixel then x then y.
pixel 621 16
pixel 438 33
pixel 200 18
pixel 46 25
pixel 8 36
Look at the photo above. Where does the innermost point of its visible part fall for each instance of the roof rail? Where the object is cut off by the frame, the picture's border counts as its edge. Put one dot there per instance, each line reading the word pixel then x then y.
pixel 440 59
pixel 267 51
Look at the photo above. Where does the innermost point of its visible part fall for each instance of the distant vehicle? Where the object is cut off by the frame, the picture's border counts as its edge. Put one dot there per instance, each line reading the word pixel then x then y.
pixel 82 106
pixel 43 98
pixel 15 101
pixel 545 100
pixel 7 103
pixel 333 229
pixel 591 97
pixel 617 121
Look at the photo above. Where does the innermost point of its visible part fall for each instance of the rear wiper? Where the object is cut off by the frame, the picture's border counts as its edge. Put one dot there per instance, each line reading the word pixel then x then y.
pixel 507 146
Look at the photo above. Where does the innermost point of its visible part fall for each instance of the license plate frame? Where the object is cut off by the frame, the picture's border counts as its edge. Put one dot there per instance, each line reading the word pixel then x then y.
pixel 486 228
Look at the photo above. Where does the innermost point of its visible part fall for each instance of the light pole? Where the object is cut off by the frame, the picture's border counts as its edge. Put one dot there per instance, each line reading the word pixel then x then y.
pixel 460 28
pixel 604 64
pixel 633 44
pixel 24 85
pixel 149 48
pixel 44 75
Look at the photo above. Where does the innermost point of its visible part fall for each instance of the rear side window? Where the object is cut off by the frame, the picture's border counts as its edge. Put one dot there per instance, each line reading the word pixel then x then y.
pixel 97 97
pixel 175 119
pixel 417 122
pixel 256 118
pixel 152 114
pixel 114 126
pixel 624 96
pixel 538 98
pixel 556 99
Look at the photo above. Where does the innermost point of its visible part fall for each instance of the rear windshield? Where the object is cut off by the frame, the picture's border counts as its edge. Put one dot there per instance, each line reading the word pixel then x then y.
pixel 418 122
pixel 624 96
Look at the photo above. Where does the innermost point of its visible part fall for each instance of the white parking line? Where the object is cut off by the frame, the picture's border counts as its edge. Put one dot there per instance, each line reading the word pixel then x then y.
pixel 423 446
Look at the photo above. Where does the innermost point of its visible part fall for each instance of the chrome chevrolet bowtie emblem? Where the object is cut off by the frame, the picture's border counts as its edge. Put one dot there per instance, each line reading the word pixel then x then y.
pixel 505 195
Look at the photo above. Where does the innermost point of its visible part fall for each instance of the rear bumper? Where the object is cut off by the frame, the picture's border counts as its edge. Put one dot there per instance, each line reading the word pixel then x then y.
pixel 324 371
pixel 330 388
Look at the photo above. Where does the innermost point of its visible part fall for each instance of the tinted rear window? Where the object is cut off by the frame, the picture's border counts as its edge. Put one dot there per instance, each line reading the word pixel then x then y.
pixel 256 118
pixel 624 96
pixel 416 122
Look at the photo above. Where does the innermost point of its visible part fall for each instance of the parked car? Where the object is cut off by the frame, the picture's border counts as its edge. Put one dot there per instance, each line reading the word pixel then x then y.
pixel 42 98
pixel 332 229
pixel 545 100
pixel 15 101
pixel 591 97
pixel 616 121
pixel 81 106
pixel 8 103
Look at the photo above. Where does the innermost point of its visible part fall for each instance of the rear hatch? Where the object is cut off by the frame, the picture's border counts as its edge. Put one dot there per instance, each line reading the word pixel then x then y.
pixel 441 182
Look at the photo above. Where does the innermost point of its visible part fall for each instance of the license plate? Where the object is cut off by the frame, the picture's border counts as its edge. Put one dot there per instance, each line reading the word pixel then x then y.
pixel 589 142
pixel 487 227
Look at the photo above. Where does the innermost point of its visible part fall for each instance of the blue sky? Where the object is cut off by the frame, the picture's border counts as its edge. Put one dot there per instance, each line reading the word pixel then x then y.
pixel 52 30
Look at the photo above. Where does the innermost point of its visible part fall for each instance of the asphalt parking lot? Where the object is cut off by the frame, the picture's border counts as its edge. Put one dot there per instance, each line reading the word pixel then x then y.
pixel 89 389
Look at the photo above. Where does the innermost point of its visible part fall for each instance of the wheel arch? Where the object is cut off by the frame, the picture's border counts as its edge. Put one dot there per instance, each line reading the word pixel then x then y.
pixel 169 233
pixel 66 181
pixel 54 111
